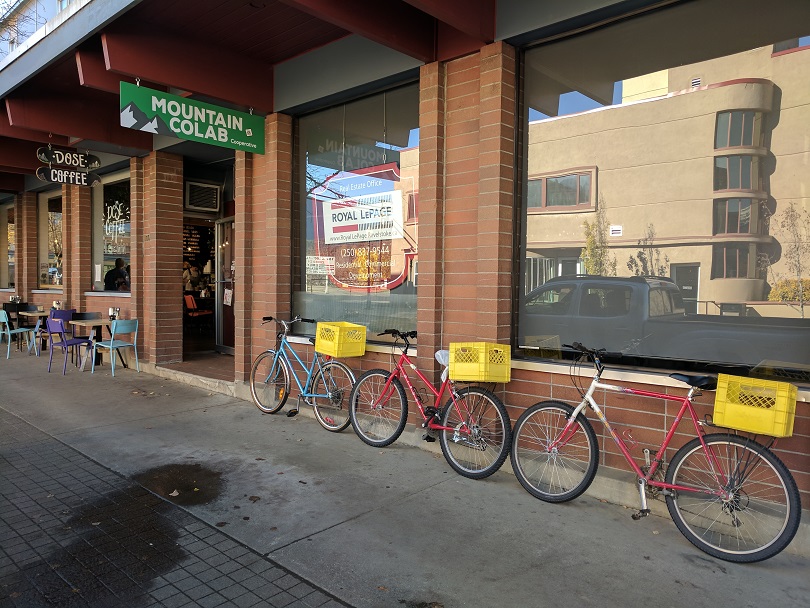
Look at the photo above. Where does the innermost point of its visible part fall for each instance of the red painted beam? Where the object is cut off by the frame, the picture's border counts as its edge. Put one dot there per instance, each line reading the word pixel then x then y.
pixel 76 116
pixel 11 182
pixel 6 130
pixel 394 24
pixel 475 19
pixel 19 154
pixel 188 65
pixel 93 73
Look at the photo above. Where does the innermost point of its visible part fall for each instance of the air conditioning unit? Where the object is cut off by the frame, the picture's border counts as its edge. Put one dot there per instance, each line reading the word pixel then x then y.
pixel 202 197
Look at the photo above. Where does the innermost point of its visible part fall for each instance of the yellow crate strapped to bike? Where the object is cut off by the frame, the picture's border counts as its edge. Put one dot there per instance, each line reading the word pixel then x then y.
pixel 765 407
pixel 480 362
pixel 340 339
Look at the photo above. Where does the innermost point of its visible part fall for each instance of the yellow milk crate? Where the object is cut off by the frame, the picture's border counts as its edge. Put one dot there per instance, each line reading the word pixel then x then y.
pixel 340 339
pixel 480 362
pixel 758 406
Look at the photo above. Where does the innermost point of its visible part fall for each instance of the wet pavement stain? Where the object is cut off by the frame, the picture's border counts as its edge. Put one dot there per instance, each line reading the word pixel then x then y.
pixel 111 550
pixel 183 484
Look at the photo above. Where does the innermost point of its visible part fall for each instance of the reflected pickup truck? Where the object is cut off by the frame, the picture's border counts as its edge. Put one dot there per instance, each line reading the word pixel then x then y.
pixel 645 316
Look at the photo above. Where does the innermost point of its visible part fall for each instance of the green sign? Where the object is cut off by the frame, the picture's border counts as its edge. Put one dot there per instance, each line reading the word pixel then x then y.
pixel 165 114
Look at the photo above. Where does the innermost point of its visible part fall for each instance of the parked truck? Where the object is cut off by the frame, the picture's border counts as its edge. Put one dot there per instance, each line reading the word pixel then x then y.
pixel 644 317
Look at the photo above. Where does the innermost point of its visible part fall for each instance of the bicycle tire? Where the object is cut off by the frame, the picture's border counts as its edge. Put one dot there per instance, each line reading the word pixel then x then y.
pixel 335 379
pixel 376 418
pixel 563 473
pixel 763 514
pixel 269 385
pixel 482 451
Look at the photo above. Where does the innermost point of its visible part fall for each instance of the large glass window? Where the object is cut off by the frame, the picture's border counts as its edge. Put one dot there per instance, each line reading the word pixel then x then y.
pixel 357 168
pixel 7 239
pixel 112 229
pixel 50 243
pixel 665 150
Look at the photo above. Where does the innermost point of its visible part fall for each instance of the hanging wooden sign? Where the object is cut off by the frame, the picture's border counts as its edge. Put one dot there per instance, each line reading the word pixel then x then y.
pixel 68 176
pixel 68 158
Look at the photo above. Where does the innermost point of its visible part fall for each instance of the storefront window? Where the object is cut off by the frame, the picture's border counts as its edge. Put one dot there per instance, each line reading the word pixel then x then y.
pixel 50 241
pixel 111 229
pixel 659 144
pixel 358 175
pixel 7 239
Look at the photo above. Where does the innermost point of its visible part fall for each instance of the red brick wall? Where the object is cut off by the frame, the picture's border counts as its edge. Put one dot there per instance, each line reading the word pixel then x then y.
pixel 78 235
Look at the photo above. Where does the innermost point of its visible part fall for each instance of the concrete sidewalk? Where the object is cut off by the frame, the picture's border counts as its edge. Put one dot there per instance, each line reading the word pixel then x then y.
pixel 320 517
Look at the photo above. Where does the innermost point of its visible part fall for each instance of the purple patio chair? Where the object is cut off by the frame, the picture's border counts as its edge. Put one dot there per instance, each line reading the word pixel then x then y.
pixel 57 338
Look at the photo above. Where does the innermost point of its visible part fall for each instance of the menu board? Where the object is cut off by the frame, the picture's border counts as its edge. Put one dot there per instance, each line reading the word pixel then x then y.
pixel 198 245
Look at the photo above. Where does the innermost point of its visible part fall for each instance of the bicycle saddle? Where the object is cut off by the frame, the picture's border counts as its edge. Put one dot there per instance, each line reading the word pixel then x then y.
pixel 706 383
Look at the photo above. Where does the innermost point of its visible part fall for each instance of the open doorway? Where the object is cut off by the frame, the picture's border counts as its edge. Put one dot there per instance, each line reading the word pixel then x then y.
pixel 198 277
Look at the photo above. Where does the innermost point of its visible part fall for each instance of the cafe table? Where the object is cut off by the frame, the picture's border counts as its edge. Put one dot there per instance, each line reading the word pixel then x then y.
pixel 94 325
pixel 38 315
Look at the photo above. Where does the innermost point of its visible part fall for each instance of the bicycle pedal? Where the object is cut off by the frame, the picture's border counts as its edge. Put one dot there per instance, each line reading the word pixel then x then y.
pixel 640 513
pixel 429 437
pixel 291 413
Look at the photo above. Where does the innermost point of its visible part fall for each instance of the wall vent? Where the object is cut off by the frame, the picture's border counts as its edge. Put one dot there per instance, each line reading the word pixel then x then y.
pixel 696 82
pixel 202 197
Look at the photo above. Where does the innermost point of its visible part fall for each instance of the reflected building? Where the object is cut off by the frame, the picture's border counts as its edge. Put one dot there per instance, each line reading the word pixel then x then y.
pixel 698 160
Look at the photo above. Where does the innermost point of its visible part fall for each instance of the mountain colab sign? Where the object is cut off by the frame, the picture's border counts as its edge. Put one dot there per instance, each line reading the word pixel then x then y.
pixel 153 111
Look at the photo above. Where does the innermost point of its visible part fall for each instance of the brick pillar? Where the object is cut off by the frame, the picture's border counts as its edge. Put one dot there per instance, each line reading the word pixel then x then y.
pixel 25 228
pixel 271 232
pixel 136 252
pixel 496 169
pixel 432 81
pixel 162 313
pixel 246 237
pixel 77 234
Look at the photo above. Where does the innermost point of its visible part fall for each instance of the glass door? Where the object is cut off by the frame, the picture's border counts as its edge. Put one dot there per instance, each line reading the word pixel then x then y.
pixel 224 281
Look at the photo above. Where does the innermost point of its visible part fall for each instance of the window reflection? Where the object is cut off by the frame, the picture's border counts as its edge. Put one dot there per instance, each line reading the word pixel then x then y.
pixel 699 168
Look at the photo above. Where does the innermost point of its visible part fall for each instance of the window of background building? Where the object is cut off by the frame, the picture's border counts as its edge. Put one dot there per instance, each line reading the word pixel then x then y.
pixel 660 146
pixel 740 128
pixel 7 243
pixel 734 215
pixel 557 192
pixel 49 241
pixel 736 173
pixel 357 170
pixel 112 226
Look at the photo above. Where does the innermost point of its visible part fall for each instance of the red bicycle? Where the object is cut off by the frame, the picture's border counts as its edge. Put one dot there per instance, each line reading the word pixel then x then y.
pixel 729 496
pixel 473 426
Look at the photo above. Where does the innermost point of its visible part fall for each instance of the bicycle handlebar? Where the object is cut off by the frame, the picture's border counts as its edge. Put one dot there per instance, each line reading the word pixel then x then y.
pixel 295 319
pixel 592 352
pixel 399 334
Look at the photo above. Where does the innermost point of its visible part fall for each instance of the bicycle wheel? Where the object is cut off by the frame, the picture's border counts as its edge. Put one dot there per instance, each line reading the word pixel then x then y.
pixel 269 382
pixel 480 442
pixel 334 379
pixel 560 473
pixel 763 508
pixel 378 415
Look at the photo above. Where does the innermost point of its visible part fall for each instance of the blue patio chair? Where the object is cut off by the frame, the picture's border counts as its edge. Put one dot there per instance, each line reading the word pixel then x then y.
pixel 6 331
pixel 119 327
pixel 58 339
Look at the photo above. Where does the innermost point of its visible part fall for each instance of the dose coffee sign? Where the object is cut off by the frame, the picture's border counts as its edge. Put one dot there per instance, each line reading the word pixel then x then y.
pixel 67 166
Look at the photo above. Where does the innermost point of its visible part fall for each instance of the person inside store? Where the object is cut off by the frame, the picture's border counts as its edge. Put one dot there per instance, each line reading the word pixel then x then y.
pixel 117 278
pixel 191 277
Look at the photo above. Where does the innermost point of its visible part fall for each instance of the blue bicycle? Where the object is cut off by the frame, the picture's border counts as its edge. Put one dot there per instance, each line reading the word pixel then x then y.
pixel 326 387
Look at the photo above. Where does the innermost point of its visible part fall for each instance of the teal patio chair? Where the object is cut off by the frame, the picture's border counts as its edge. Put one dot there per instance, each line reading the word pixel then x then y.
pixel 119 328
pixel 7 332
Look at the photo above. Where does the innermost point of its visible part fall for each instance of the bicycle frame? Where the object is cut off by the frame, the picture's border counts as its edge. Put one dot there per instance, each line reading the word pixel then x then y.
pixel 647 479
pixel 283 350
pixel 401 372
